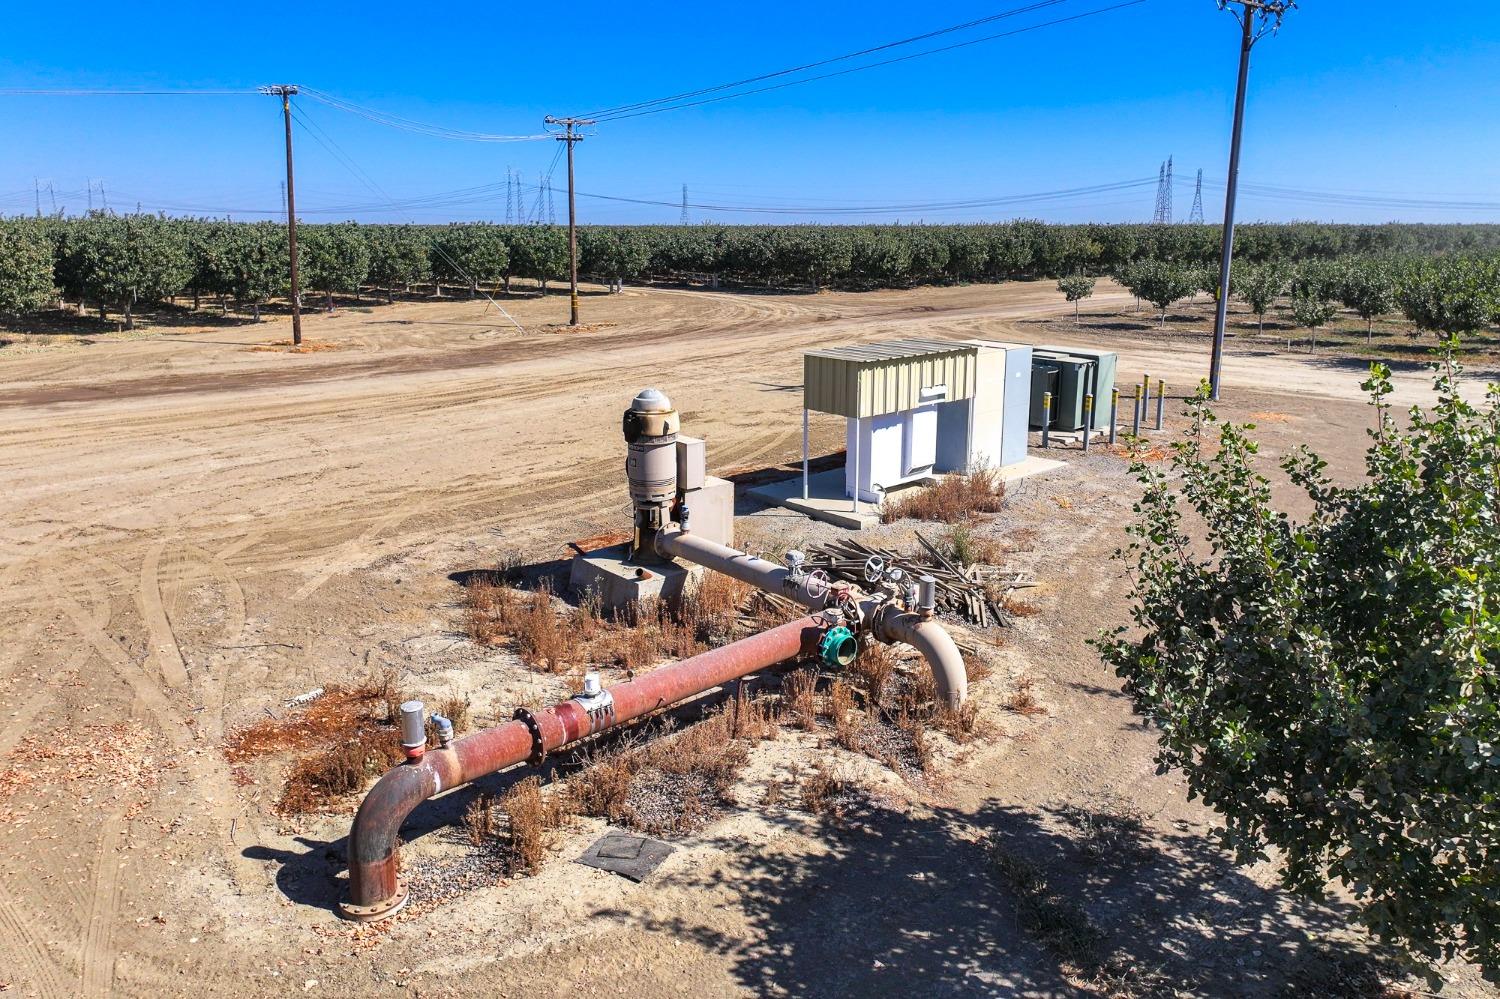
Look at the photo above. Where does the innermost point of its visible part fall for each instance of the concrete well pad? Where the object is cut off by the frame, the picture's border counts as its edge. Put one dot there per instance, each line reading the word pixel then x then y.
pixel 620 582
pixel 826 500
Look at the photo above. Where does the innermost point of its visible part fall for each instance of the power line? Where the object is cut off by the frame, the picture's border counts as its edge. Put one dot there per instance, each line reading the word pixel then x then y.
pixel 411 125
pixel 884 62
pixel 79 92
pixel 824 62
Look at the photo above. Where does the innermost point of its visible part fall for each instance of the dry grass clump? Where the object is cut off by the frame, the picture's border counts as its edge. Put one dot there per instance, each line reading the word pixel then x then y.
pixel 479 820
pixel 342 769
pixel 456 710
pixel 827 792
pixel 1022 701
pixel 672 786
pixel 954 499
pixel 962 546
pixel 347 736
pixel 799 695
pixel 847 721
pixel 637 638
pixel 531 826
pixel 872 670
pixel 711 609
pixel 1016 607
pixel 752 719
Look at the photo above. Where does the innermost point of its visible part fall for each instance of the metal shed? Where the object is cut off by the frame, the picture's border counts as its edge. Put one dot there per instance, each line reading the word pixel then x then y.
pixel 875 379
pixel 889 393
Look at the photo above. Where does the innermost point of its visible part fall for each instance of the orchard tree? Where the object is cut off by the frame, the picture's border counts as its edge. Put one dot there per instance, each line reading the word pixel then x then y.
pixel 1160 283
pixel 1260 287
pixel 1076 289
pixel 256 264
pixel 25 266
pixel 398 256
pixel 1450 295
pixel 540 252
pixel 1313 291
pixel 123 260
pixel 471 255
pixel 1369 288
pixel 1329 686
pixel 1311 312
pixel 613 255
pixel 333 258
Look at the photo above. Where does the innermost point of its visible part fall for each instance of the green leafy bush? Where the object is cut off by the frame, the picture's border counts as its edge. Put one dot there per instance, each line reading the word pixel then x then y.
pixel 1329 687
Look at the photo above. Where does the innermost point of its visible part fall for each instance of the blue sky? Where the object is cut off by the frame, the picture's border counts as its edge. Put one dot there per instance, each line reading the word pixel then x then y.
pixel 1341 101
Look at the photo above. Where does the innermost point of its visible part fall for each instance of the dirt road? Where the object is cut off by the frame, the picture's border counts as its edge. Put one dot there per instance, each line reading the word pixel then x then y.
pixel 197 530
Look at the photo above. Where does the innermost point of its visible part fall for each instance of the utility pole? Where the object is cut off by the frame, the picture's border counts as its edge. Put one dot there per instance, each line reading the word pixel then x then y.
pixel 571 137
pixel 1256 17
pixel 285 92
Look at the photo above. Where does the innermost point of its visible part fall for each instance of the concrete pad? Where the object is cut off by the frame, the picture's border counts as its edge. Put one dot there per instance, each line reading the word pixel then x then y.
pixel 825 499
pixel 827 502
pixel 620 582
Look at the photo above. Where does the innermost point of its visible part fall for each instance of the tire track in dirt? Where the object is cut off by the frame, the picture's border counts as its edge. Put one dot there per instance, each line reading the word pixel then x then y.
pixel 27 951
pixel 166 654
pixel 98 974
pixel 356 551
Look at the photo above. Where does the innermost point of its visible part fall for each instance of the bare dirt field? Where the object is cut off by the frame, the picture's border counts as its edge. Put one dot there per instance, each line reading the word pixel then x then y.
pixel 196 530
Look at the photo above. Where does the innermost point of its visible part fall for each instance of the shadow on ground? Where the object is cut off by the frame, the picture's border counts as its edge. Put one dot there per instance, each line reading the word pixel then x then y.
pixel 901 905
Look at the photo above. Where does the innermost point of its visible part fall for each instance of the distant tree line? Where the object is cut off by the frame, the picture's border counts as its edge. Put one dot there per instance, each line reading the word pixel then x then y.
pixel 119 263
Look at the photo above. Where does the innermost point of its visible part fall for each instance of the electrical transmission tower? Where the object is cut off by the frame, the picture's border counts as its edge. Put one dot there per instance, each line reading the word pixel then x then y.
pixel 510 198
pixel 551 212
pixel 539 211
pixel 684 220
pixel 1195 217
pixel 1163 213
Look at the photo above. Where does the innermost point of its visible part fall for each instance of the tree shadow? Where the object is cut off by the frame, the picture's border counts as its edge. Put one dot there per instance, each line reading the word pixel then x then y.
pixel 902 904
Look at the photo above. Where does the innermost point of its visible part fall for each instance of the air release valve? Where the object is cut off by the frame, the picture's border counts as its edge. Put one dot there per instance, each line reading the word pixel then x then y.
pixel 838 647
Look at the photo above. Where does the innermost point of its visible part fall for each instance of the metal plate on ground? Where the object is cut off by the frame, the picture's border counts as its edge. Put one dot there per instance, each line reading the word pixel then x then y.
pixel 626 854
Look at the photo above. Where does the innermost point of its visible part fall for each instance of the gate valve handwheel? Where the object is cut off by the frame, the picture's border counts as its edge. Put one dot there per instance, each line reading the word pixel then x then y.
pixel 874 569
pixel 838 647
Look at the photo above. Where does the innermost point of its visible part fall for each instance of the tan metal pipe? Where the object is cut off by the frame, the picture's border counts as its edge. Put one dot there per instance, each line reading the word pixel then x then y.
pixel 887 622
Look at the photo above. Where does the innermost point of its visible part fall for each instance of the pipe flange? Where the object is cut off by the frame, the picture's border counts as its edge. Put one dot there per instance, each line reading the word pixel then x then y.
pixel 538 745
pixel 838 647
pixel 380 910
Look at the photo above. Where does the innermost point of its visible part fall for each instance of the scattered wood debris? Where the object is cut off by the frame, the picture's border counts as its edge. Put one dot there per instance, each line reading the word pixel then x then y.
pixel 974 593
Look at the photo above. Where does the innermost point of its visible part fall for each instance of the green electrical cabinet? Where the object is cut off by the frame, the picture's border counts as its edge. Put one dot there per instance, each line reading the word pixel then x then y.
pixel 1101 382
pixel 1043 381
pixel 1075 378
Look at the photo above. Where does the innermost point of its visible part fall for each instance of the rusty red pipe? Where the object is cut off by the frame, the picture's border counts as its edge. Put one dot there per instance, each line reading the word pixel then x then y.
pixel 375 891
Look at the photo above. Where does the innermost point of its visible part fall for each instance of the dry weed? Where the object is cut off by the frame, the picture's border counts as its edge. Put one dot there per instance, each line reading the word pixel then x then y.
pixel 954 499
pixel 752 719
pixel 846 720
pixel 799 693
pixel 479 820
pixel 531 825
pixel 872 668
pixel 827 792
pixel 456 710
pixel 1023 701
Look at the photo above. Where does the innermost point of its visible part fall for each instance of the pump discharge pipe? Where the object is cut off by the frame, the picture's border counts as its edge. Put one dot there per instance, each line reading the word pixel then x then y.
pixel 375 891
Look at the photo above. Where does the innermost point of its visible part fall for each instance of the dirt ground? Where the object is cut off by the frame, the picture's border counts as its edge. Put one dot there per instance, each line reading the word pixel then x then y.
pixel 197 530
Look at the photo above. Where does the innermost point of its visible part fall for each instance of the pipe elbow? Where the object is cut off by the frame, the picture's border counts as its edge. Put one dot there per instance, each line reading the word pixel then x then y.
pixel 936 646
pixel 374 889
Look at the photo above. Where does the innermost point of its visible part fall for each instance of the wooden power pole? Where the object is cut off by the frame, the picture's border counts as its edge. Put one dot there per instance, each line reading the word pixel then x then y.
pixel 285 92
pixel 1256 18
pixel 571 137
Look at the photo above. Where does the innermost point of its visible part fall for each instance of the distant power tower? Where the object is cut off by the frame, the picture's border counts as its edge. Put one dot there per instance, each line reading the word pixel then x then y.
pixel 1163 213
pixel 1195 217
pixel 510 196
pixel 684 219
pixel 551 213
pixel 539 210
